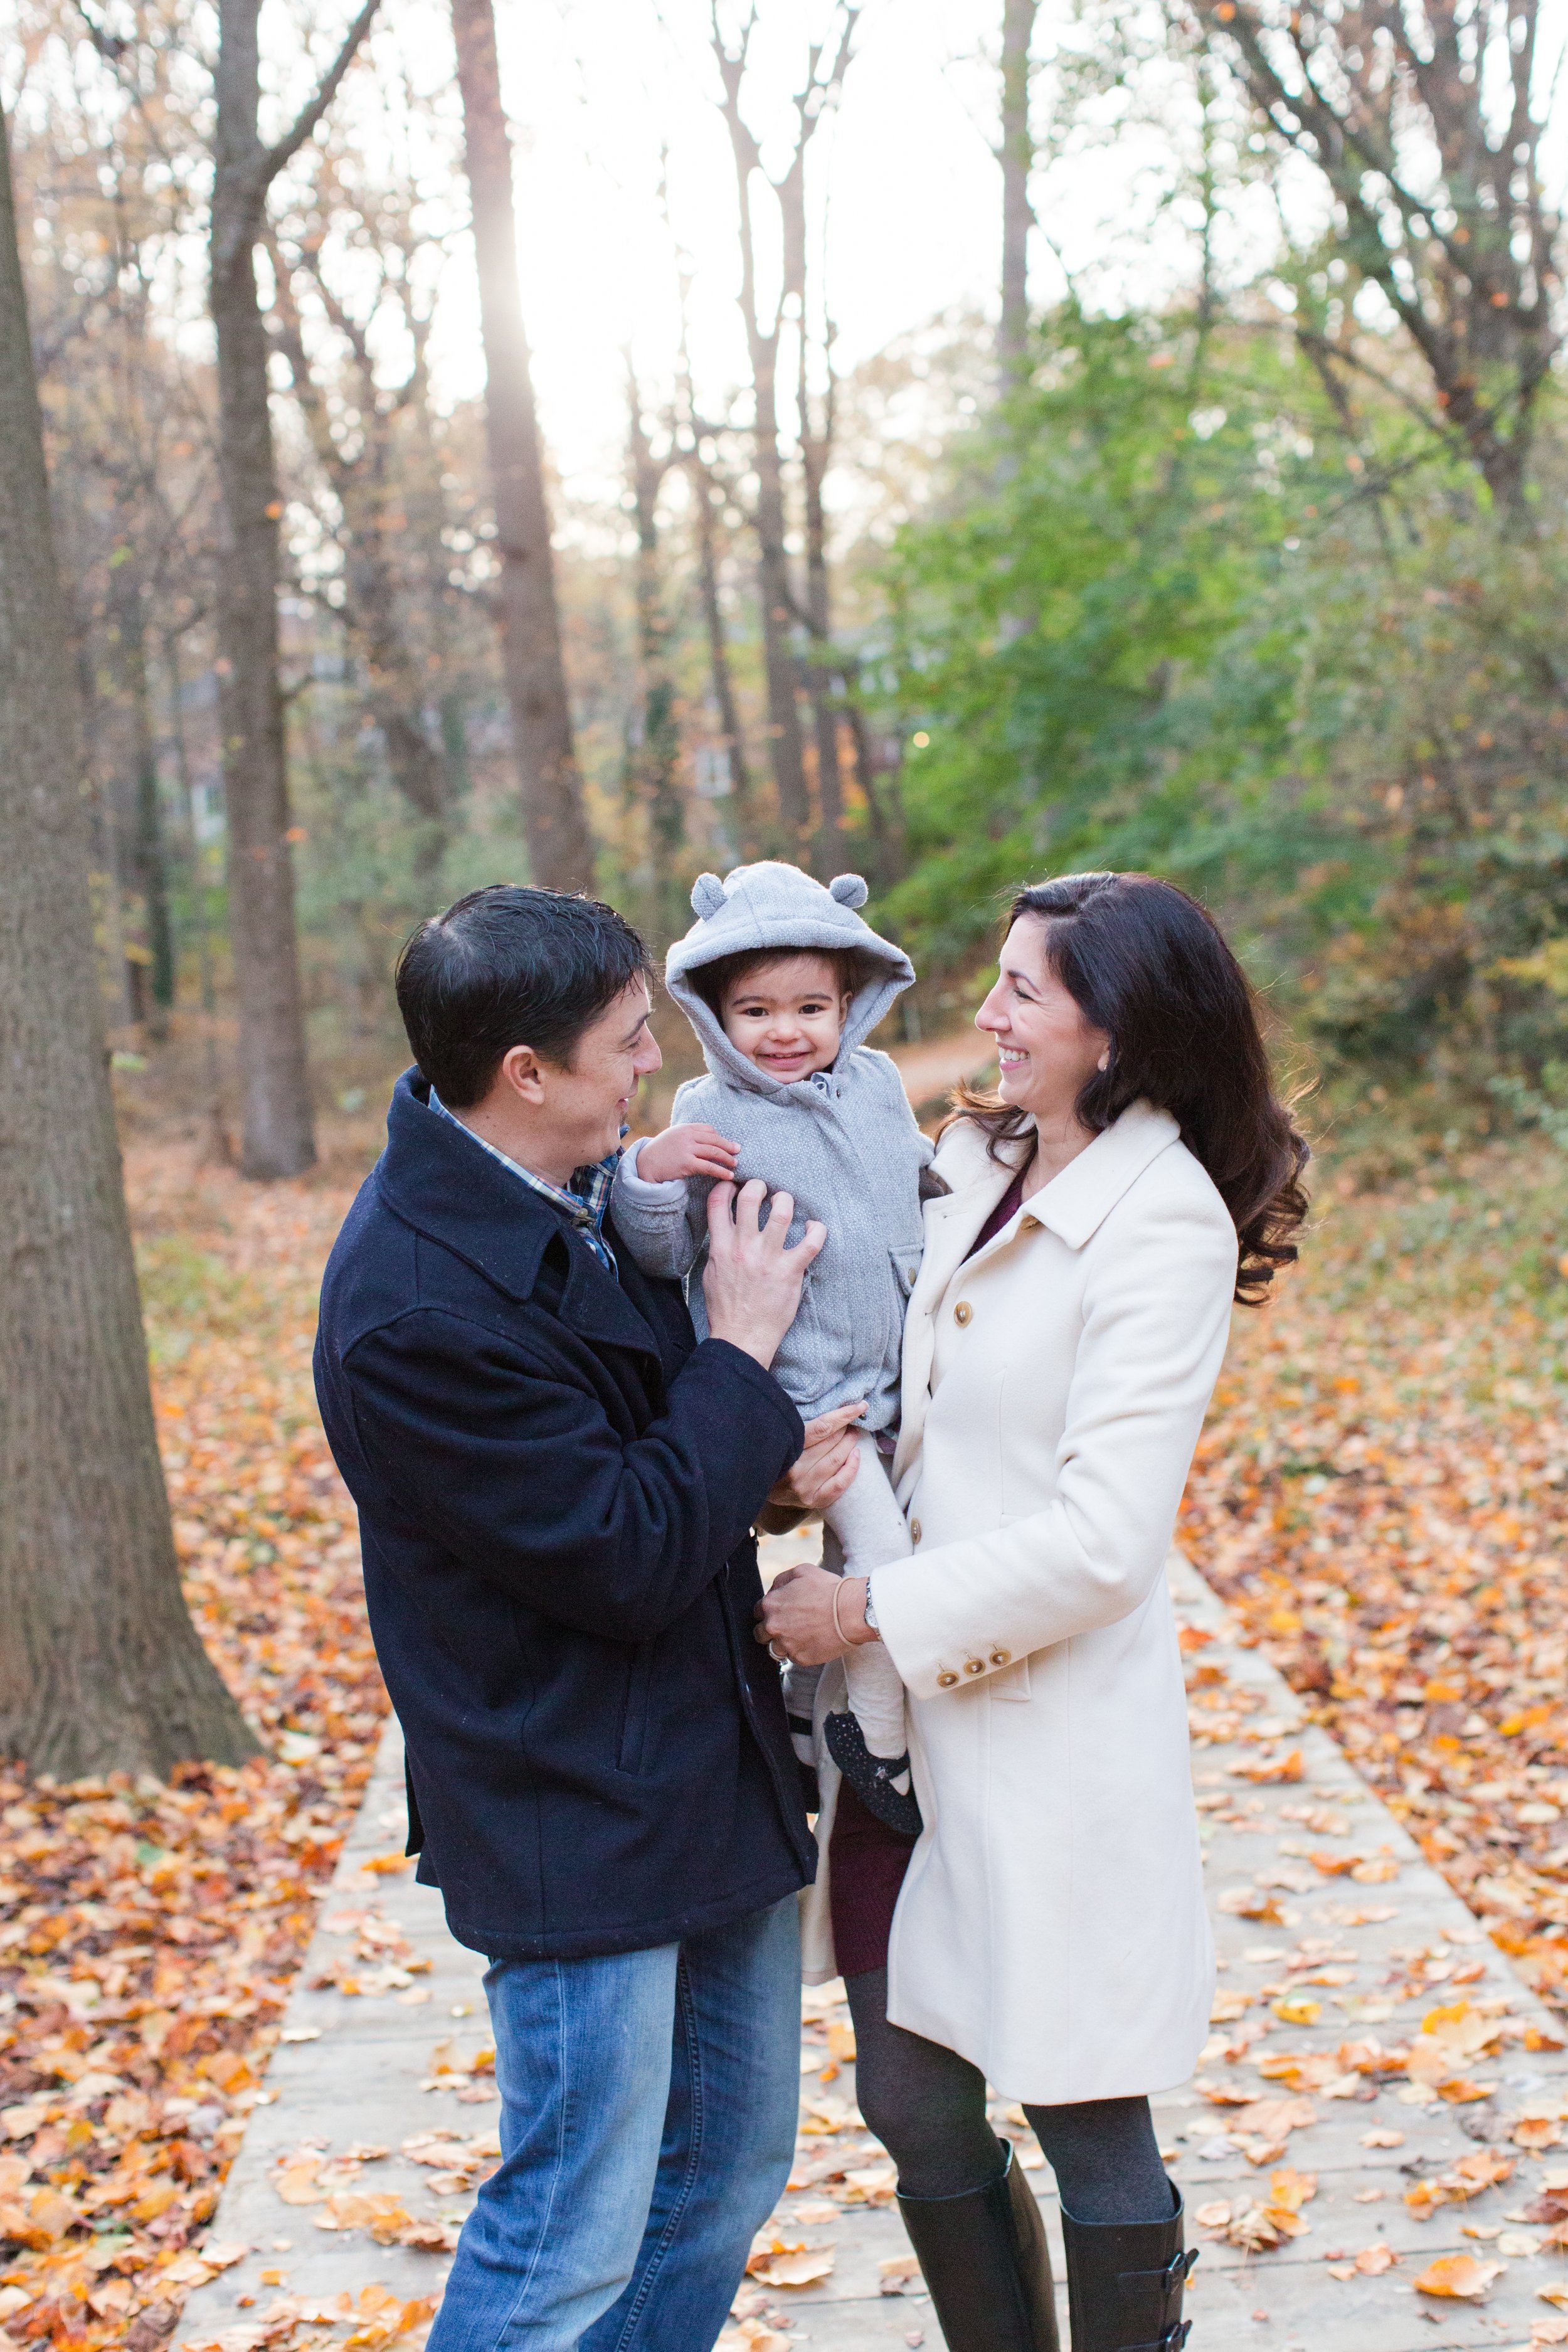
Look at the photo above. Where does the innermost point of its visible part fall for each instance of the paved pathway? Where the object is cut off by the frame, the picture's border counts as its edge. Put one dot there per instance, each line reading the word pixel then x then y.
pixel 1321 2101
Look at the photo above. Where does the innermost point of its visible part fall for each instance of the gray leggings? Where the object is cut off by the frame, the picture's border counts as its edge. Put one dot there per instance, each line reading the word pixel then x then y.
pixel 927 2106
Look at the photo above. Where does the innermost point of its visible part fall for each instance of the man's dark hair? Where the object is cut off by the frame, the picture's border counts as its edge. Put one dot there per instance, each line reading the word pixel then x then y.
pixel 507 967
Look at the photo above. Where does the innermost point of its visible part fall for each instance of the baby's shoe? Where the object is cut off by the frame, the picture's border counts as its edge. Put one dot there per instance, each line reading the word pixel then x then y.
pixel 874 1778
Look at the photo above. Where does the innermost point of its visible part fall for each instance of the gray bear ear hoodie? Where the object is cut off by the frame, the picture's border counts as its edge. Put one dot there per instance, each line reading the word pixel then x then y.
pixel 844 1141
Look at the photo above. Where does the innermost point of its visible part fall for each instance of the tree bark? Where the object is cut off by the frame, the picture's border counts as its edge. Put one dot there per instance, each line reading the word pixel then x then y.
pixel 101 1669
pixel 1016 155
pixel 818 420
pixel 151 864
pixel 218 1147
pixel 560 847
pixel 277 1127
pixel 720 674
pixel 779 611
pixel 658 764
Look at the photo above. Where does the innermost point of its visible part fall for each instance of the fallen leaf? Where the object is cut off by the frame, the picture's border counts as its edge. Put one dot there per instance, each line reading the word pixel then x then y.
pixel 807 2267
pixel 1281 1769
pixel 1458 2276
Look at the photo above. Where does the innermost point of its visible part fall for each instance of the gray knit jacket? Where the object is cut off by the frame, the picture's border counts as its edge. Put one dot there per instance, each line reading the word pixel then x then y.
pixel 843 1141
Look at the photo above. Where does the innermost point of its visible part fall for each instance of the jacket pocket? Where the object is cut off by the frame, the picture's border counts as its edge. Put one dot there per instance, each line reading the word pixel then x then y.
pixel 906 1264
pixel 633 1709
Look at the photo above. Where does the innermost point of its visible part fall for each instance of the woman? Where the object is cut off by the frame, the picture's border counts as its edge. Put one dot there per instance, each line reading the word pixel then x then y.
pixel 1133 1174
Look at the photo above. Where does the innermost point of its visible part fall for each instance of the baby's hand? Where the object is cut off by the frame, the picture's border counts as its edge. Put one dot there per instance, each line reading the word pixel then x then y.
pixel 687 1150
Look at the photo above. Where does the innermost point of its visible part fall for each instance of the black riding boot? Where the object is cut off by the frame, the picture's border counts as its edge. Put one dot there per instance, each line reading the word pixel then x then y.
pixel 985 2262
pixel 1125 2281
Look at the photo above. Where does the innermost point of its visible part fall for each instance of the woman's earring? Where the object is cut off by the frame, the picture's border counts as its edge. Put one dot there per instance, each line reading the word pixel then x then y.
pixel 1103 1063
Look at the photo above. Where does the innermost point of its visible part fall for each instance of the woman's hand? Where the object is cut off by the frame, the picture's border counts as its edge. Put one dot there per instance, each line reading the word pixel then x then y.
pixel 796 1616
pixel 827 1465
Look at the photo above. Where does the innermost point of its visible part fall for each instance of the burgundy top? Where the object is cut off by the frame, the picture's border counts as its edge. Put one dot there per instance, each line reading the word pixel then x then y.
pixel 867 1861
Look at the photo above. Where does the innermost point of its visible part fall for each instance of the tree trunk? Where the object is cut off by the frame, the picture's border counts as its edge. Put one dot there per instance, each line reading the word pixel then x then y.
pixel 101 1669
pixel 816 428
pixel 720 672
pixel 657 766
pixel 560 848
pixel 217 1145
pixel 278 1125
pixel 151 864
pixel 1017 156
pixel 778 621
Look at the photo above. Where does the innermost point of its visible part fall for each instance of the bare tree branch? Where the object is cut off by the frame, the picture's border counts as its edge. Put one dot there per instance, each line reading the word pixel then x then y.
pixel 273 159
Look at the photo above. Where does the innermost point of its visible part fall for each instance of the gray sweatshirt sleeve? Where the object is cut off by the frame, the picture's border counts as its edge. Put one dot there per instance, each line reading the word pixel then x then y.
pixel 663 1225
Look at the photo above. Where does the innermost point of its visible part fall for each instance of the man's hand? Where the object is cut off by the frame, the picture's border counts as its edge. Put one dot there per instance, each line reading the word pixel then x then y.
pixel 795 1615
pixel 690 1150
pixel 751 1283
pixel 826 1468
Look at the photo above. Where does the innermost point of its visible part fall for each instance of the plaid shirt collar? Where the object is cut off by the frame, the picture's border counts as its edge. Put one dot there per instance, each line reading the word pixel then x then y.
pixel 585 1204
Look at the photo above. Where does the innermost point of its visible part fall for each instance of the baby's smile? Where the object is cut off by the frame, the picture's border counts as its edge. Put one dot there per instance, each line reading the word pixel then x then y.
pixel 787 1016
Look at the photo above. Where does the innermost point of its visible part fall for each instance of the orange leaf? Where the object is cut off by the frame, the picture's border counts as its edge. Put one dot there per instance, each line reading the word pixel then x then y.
pixel 1458 2276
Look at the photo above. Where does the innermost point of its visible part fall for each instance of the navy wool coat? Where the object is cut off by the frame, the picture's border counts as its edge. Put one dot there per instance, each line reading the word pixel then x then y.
pixel 556 1485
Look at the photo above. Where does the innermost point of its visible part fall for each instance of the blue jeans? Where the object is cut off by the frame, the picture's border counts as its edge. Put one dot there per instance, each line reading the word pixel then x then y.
pixel 649 2111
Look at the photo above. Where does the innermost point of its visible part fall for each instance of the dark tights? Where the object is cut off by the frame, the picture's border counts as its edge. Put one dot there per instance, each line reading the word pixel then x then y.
pixel 927 2106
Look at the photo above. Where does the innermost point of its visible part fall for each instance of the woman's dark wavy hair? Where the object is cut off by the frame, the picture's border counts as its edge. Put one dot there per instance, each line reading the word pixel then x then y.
pixel 1145 963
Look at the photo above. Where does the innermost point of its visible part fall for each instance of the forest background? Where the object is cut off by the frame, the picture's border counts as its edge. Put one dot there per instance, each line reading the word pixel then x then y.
pixel 1236 551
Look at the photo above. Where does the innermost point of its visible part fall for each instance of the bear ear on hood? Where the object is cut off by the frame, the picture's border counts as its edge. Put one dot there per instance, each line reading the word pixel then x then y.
pixel 708 895
pixel 849 890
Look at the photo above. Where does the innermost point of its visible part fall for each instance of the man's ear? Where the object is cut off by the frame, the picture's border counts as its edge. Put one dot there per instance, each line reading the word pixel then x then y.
pixel 519 1070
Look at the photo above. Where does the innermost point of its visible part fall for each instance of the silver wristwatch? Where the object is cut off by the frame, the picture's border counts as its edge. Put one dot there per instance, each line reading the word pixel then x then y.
pixel 870 1611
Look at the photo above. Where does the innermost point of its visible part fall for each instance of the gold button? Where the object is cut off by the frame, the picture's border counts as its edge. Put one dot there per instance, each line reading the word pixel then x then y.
pixel 973 1666
pixel 963 1311
pixel 946 1679
pixel 1001 1657
pixel 914 1531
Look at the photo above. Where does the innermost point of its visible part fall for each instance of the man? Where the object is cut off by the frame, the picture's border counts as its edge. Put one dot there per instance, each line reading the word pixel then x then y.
pixel 556 1489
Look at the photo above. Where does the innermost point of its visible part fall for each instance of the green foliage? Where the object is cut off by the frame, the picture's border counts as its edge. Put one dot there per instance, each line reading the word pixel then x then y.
pixel 1180 612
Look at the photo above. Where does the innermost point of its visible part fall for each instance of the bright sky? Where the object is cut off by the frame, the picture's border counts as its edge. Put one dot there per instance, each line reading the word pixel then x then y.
pixel 597 88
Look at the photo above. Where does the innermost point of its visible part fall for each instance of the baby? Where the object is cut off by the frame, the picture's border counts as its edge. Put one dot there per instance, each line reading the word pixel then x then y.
pixel 781 979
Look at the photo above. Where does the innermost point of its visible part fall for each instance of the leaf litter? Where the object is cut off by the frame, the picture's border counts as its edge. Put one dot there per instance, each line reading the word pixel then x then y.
pixel 1381 1495
pixel 150 1935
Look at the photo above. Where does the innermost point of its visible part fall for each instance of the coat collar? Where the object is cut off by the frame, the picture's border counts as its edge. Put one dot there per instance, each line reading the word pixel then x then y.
pixel 434 1176
pixel 1075 1204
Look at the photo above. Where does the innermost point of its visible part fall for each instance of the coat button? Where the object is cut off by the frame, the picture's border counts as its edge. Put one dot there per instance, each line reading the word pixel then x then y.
pixel 963 1311
pixel 973 1666
pixel 1001 1657
pixel 946 1679
pixel 914 1531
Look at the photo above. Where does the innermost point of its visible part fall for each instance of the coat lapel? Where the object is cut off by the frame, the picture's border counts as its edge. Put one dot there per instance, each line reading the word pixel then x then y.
pixel 437 1179
pixel 1073 1206
pixel 951 1226
pixel 1076 1203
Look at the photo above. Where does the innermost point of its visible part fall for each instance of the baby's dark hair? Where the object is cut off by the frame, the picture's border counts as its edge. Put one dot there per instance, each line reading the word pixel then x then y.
pixel 712 979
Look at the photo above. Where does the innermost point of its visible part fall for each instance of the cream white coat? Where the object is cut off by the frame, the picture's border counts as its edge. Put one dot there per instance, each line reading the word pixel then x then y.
pixel 1052 1926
